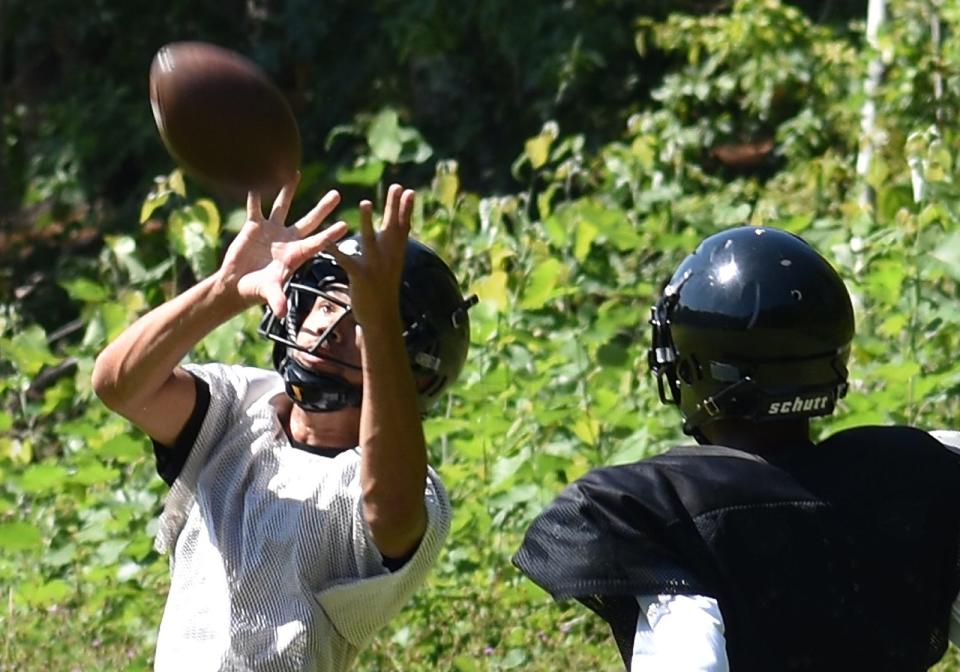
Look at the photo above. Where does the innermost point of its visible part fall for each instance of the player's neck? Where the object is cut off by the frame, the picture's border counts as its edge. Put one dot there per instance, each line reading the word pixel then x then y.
pixel 334 429
pixel 758 437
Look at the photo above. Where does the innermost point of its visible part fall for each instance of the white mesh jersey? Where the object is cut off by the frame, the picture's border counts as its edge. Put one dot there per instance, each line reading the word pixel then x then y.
pixel 273 566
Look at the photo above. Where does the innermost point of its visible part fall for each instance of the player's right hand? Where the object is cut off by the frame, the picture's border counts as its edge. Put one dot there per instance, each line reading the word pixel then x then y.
pixel 266 252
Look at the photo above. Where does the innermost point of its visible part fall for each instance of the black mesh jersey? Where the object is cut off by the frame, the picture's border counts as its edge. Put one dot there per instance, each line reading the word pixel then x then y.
pixel 837 556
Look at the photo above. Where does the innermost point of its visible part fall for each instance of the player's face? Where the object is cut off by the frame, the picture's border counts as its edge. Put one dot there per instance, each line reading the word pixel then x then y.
pixel 340 345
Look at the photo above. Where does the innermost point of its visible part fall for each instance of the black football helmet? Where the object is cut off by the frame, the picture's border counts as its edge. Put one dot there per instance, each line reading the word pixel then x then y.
pixel 435 322
pixel 756 325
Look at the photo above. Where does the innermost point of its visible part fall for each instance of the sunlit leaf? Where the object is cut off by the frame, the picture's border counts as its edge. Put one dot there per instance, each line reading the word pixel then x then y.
pixel 28 350
pixel 493 290
pixel 45 594
pixel 365 172
pixel 40 478
pixel 383 136
pixel 19 536
pixel 586 234
pixel 542 283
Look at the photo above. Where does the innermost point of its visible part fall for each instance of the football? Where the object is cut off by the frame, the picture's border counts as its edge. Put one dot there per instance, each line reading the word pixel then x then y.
pixel 222 119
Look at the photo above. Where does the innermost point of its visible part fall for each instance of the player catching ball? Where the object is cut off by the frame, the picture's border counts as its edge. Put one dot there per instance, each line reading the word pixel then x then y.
pixel 302 514
pixel 757 549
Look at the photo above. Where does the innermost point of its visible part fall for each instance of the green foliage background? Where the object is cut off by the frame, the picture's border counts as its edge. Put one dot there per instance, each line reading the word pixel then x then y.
pixel 563 207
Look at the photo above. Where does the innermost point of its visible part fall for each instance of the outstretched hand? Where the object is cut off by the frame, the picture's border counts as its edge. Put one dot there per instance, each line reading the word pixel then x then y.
pixel 266 253
pixel 376 272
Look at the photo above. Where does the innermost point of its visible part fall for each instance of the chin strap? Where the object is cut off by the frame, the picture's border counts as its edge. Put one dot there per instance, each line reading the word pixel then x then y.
pixel 318 392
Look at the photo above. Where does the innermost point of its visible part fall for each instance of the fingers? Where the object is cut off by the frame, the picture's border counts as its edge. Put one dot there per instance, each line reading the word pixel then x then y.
pixel 276 299
pixel 367 233
pixel 347 262
pixel 324 241
pixel 254 209
pixel 281 206
pixel 399 208
pixel 406 208
pixel 392 206
pixel 309 222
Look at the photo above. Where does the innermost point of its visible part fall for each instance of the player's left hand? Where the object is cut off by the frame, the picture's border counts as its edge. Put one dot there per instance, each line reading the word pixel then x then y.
pixel 375 273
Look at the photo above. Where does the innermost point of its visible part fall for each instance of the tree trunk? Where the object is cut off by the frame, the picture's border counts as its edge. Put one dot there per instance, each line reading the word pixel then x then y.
pixel 876 17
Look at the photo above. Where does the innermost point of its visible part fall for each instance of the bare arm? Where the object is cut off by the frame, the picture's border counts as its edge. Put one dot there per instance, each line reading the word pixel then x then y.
pixel 138 376
pixel 394 458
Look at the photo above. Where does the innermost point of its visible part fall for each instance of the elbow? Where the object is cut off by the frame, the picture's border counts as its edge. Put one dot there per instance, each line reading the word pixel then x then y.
pixel 396 530
pixel 105 382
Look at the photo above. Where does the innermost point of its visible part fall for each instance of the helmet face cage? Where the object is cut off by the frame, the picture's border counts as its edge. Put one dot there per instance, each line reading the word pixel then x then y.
pixel 433 313
pixel 662 356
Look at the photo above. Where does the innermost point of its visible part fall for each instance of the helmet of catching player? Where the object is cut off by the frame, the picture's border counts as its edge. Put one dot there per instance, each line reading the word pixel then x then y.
pixel 435 323
pixel 756 325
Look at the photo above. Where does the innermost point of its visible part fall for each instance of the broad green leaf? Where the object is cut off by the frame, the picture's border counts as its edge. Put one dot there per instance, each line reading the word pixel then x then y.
pixel 365 172
pixel 586 234
pixel 193 233
pixel 413 147
pixel 176 183
pixel 123 448
pixel 537 150
pixel 41 478
pixel 492 289
pixel 95 473
pixel 46 594
pixel 18 536
pixel 383 136
pixel 948 253
pixel 16 450
pixel 85 289
pixel 109 551
pixel 446 184
pixel 60 557
pixel 541 284
pixel 151 204
pixel 28 350
pixel 586 429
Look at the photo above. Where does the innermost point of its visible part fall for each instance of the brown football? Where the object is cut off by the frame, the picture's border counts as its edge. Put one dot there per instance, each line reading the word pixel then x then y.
pixel 222 118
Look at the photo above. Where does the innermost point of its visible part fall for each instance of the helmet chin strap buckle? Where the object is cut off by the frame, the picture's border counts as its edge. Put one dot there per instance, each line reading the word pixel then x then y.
pixel 318 393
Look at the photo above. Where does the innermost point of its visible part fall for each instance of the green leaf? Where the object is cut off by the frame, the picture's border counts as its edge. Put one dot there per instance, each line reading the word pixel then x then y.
pixel 492 289
pixel 193 233
pixel 85 289
pixel 123 448
pixel 60 557
pixel 537 150
pixel 383 136
pixel 41 478
pixel 446 184
pixel 586 429
pixel 109 551
pixel 152 203
pixel 365 172
pixel 18 536
pixel 541 284
pixel 95 473
pixel 948 253
pixel 586 234
pixel 28 350
pixel 46 594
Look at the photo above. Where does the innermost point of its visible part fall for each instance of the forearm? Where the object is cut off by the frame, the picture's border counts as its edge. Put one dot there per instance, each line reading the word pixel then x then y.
pixel 394 460
pixel 142 358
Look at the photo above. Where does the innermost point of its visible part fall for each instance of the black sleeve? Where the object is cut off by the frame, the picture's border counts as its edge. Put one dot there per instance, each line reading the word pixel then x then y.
pixel 396 564
pixel 170 459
